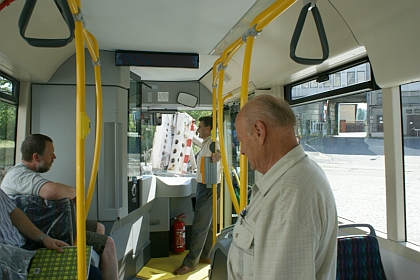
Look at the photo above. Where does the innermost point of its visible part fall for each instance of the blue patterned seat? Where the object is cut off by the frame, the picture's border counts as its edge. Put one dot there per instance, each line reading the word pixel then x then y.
pixel 358 256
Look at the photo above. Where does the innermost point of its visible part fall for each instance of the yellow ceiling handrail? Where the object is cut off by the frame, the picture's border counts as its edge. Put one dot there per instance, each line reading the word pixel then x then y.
pixel 256 26
pixel 271 13
pixel 259 22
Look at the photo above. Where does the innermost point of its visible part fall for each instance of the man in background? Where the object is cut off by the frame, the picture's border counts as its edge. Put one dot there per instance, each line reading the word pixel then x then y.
pixel 202 231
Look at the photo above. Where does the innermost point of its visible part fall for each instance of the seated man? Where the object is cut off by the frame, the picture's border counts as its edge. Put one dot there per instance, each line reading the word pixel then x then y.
pixel 14 223
pixel 24 178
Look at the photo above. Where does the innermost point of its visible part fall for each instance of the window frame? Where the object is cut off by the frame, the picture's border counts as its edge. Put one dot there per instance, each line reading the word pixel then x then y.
pixel 352 89
pixel 12 99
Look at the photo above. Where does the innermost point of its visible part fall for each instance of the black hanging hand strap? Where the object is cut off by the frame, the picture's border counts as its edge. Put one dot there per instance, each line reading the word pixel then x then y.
pixel 321 34
pixel 26 14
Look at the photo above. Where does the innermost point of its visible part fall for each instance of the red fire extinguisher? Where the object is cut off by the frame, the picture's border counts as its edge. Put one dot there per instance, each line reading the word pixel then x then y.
pixel 179 234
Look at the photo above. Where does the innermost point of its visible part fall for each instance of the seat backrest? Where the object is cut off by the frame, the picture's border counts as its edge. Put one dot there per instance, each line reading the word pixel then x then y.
pixel 55 218
pixel 358 256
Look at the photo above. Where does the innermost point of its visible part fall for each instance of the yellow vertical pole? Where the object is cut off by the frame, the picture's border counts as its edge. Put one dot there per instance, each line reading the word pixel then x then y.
pixel 214 186
pixel 80 149
pixel 259 22
pixel 227 54
pixel 243 160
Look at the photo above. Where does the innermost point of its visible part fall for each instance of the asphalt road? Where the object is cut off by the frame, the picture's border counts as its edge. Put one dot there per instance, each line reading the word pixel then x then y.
pixel 355 167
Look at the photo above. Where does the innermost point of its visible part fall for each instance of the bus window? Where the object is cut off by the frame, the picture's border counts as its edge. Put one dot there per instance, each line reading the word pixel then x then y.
pixel 410 100
pixel 343 136
pixel 8 116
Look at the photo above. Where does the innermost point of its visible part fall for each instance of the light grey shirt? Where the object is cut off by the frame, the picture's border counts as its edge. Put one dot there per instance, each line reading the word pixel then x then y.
pixel 206 152
pixel 22 180
pixel 8 233
pixel 289 229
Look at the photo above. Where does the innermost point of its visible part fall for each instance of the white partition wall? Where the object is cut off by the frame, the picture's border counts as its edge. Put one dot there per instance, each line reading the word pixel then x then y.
pixel 58 98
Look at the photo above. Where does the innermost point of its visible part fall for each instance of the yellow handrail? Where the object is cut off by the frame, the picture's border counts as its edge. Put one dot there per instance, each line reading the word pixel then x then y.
pixel 220 75
pixel 222 146
pixel 214 186
pixel 82 37
pixel 94 52
pixel 80 149
pixel 271 13
pixel 225 58
pixel 243 160
pixel 259 22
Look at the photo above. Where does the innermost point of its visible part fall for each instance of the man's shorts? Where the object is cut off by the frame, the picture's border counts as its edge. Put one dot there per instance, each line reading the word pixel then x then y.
pixel 94 239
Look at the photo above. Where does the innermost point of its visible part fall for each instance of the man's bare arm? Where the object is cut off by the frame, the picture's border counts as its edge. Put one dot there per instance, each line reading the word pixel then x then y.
pixel 29 230
pixel 56 191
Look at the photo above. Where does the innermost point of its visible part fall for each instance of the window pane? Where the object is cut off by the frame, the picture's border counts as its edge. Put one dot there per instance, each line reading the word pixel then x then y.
pixel 6 86
pixel 410 98
pixel 7 134
pixel 343 135
pixel 133 144
pixel 334 81
pixel 350 78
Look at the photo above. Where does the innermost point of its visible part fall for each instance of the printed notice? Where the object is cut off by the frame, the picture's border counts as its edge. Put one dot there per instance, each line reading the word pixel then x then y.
pixel 163 96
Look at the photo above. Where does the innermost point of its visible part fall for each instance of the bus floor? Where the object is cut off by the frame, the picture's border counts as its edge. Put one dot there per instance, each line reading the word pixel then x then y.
pixel 162 268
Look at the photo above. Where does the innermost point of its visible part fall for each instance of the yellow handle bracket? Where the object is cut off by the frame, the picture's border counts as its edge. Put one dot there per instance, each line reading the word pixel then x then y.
pixel 85 125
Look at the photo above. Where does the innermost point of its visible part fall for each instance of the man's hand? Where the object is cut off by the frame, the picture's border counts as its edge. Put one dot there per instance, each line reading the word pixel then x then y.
pixel 215 157
pixel 54 244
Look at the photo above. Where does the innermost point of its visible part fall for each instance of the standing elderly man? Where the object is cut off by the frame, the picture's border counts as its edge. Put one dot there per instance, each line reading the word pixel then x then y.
pixel 289 228
pixel 24 178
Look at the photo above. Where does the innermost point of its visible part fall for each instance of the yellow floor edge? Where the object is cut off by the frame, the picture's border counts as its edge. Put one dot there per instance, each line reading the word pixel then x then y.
pixel 162 268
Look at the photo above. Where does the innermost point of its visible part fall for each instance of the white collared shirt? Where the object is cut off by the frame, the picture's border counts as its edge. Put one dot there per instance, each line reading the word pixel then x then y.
pixel 289 230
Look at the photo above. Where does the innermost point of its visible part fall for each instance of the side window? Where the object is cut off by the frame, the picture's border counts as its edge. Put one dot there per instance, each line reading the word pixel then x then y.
pixel 8 116
pixel 410 102
pixel 344 136
pixel 341 129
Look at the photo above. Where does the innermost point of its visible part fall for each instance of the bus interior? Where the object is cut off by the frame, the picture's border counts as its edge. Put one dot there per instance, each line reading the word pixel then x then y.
pixel 349 69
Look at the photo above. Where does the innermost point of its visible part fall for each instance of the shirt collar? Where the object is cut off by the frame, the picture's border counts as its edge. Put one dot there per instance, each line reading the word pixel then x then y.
pixel 208 138
pixel 279 168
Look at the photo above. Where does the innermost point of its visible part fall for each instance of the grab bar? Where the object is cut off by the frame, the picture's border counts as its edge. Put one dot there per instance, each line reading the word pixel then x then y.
pixel 321 33
pixel 26 14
